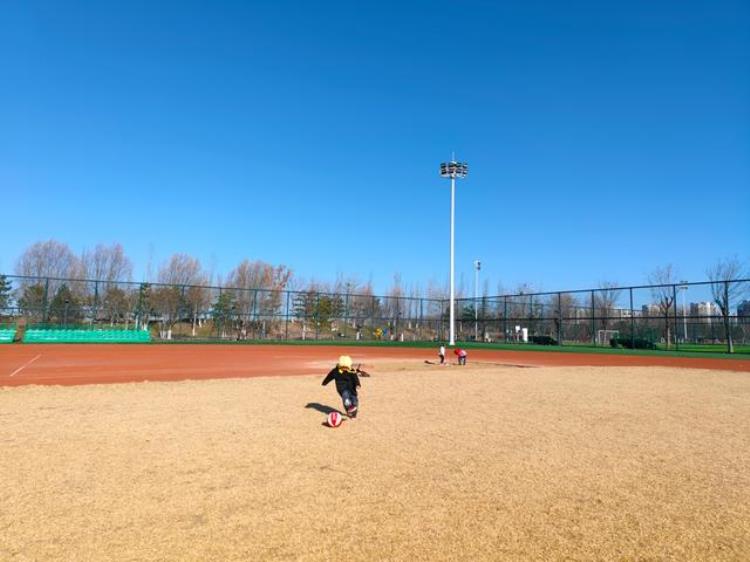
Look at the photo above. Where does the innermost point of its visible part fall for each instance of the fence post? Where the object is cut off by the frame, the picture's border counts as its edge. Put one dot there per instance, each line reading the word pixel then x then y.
pixel 727 320
pixel 347 316
pixel 559 319
pixel 593 318
pixel 531 314
pixel 96 302
pixel 505 318
pixel 286 323
pixel 421 316
pixel 632 321
pixel 674 302
pixel 45 302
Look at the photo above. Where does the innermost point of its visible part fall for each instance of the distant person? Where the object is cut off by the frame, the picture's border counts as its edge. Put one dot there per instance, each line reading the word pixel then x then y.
pixel 347 383
pixel 441 354
pixel 461 354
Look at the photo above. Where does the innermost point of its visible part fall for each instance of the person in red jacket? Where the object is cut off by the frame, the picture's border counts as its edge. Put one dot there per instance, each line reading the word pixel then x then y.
pixel 461 354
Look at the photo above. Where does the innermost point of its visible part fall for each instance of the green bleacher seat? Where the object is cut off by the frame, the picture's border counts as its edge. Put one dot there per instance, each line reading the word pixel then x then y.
pixel 7 335
pixel 35 335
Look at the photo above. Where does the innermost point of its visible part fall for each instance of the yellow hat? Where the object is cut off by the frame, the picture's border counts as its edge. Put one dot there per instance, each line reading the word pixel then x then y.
pixel 345 362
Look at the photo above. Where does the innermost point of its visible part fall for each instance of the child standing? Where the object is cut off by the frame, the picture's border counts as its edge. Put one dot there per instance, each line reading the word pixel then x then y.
pixel 461 354
pixel 441 354
pixel 347 382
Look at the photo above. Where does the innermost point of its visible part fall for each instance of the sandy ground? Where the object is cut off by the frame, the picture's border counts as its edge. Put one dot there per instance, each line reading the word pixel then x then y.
pixel 475 463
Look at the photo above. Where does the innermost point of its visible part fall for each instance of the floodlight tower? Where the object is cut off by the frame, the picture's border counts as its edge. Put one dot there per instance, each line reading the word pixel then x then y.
pixel 453 170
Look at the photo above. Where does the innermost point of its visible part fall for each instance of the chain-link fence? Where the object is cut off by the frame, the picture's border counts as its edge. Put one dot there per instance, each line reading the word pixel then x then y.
pixel 186 312
pixel 675 316
pixel 679 316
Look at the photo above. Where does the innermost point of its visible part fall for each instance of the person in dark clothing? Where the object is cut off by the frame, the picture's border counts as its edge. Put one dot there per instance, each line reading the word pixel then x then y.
pixel 347 382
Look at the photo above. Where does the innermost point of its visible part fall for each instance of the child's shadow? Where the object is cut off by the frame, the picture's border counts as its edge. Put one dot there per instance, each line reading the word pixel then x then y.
pixel 322 408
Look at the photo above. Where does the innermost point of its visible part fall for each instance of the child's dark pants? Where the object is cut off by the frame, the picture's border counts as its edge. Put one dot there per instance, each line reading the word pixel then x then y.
pixel 350 400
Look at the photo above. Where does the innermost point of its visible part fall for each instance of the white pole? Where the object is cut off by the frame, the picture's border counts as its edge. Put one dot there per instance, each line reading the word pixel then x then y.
pixel 452 315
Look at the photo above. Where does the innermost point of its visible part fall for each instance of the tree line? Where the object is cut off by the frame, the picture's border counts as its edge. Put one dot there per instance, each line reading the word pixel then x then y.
pixel 255 289
pixel 62 287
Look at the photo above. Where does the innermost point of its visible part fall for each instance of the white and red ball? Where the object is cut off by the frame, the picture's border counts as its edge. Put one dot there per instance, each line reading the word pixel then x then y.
pixel 335 419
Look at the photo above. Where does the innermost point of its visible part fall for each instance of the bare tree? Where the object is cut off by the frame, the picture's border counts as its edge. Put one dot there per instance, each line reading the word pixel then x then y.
pixel 168 302
pixel 564 307
pixel 198 298
pixel 274 280
pixel 518 303
pixel 247 278
pixel 605 299
pixel 261 287
pixel 394 306
pixel 414 306
pixel 320 306
pixel 116 304
pixel 351 288
pixel 48 259
pixel 460 287
pixel 180 270
pixel 726 290
pixel 437 290
pixel 171 299
pixel 50 262
pixel 104 266
pixel 663 292
pixel 107 263
pixel 363 305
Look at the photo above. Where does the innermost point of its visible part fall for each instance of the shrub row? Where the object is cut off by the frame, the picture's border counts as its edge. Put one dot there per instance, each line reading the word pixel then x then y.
pixel 628 343
pixel 543 340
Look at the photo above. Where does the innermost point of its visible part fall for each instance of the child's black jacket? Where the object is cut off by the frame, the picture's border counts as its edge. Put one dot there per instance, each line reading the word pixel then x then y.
pixel 345 380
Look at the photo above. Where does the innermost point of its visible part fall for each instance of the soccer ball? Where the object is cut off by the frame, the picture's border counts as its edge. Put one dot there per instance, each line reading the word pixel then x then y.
pixel 334 419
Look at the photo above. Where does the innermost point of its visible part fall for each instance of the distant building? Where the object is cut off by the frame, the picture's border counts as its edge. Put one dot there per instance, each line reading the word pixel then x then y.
pixel 581 314
pixel 621 313
pixel 651 310
pixel 704 311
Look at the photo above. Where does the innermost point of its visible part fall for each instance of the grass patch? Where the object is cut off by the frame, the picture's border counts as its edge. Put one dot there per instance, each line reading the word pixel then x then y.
pixel 713 351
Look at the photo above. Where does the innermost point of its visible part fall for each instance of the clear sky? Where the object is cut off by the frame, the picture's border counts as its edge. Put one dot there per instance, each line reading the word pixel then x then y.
pixel 604 139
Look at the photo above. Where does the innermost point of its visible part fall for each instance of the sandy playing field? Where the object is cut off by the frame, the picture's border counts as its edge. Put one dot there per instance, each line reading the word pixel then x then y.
pixel 477 463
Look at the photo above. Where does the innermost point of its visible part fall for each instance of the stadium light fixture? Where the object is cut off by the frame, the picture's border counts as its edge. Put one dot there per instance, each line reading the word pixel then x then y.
pixel 453 170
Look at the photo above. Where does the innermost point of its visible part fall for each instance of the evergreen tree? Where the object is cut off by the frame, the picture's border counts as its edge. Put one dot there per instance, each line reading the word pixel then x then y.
pixel 5 289
pixel 65 306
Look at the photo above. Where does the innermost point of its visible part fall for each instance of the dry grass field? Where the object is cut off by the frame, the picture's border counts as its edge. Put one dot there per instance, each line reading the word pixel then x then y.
pixel 478 463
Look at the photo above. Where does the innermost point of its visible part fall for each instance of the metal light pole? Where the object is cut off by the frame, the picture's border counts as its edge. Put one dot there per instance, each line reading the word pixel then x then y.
pixel 453 170
pixel 683 289
pixel 477 267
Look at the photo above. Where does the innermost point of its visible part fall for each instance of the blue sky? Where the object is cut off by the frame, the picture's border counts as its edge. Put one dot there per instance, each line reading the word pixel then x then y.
pixel 604 140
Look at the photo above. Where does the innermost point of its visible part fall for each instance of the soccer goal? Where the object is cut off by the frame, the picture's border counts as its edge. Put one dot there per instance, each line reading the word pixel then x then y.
pixel 603 336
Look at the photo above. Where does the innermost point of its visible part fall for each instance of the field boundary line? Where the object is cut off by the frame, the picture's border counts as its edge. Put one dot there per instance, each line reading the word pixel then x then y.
pixel 22 367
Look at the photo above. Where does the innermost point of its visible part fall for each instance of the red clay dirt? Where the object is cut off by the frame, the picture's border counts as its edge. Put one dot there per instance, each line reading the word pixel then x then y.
pixel 60 364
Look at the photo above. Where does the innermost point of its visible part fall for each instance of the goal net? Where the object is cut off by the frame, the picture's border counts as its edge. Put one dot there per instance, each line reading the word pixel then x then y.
pixel 603 336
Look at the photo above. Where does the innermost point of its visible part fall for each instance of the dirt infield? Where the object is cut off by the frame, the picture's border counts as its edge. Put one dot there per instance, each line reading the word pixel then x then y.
pixel 87 364
pixel 477 463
